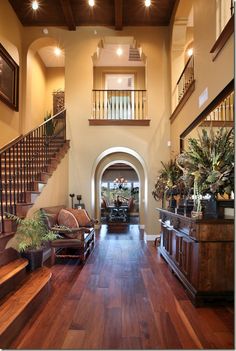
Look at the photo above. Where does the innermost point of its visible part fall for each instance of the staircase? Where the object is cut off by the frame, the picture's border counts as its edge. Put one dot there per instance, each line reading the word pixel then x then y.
pixel 25 167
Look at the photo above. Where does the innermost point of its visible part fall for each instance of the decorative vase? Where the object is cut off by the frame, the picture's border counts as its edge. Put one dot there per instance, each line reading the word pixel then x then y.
pixel 210 207
pixel 172 203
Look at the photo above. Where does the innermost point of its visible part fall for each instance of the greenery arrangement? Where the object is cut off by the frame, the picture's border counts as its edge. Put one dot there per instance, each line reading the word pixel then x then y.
pixel 169 181
pixel 31 233
pixel 49 127
pixel 209 161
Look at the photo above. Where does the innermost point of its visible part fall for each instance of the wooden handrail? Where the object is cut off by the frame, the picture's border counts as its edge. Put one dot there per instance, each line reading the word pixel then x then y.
pixel 24 160
pixel 12 142
pixel 185 67
pixel 31 131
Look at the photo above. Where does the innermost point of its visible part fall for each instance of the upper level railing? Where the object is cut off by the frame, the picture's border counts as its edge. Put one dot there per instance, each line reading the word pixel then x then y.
pixel 22 162
pixel 119 105
pixel 222 115
pixel 186 78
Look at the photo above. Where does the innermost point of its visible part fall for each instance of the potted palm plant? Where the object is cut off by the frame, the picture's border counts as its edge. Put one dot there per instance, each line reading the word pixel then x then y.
pixel 208 163
pixel 30 238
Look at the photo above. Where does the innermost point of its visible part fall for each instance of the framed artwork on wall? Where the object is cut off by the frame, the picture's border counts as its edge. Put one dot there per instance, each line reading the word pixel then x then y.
pixel 9 80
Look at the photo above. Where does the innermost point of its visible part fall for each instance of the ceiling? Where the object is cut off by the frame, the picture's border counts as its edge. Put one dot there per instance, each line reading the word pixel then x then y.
pixel 110 13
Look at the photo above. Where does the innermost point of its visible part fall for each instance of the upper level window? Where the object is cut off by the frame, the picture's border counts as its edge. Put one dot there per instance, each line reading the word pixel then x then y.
pixel 224 11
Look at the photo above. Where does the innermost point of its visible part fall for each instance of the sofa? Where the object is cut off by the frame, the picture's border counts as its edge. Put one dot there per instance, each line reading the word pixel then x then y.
pixel 76 231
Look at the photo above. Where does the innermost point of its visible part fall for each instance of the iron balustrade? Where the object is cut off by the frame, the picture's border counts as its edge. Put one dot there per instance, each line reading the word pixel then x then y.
pixel 23 161
pixel 119 104
pixel 186 78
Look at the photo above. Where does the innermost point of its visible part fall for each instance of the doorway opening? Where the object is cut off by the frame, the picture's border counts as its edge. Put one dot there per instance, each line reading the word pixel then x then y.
pixel 120 194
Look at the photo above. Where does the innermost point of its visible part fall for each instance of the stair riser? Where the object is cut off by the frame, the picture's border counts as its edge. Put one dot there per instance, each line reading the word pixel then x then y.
pixel 14 329
pixel 21 209
pixel 31 197
pixel 12 283
pixel 9 225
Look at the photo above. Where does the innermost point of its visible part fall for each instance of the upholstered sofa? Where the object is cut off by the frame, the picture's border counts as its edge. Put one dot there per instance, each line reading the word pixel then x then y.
pixel 76 230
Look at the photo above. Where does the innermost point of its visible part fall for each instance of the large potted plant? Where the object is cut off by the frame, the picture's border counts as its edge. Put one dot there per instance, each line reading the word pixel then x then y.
pixel 30 238
pixel 208 163
pixel 168 184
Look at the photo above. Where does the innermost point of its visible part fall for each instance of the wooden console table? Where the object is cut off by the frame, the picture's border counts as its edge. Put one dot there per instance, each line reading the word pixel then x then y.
pixel 200 253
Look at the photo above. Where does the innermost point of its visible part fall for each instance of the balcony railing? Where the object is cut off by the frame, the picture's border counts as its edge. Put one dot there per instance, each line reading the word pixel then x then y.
pixel 186 78
pixel 222 115
pixel 119 105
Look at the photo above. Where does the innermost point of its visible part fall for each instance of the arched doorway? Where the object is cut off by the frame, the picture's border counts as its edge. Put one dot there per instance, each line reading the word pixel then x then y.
pixel 45 81
pixel 113 156
pixel 120 194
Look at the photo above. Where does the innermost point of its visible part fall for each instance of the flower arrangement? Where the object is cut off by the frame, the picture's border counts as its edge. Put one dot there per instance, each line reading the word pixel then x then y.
pixel 168 182
pixel 208 164
pixel 209 161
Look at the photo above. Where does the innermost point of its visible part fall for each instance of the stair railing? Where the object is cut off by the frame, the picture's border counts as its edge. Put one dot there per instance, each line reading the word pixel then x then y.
pixel 23 161
pixel 186 78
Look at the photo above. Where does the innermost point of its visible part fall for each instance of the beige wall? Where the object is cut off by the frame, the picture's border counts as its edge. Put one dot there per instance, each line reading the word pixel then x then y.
pixel 214 75
pixel 55 191
pixel 10 38
pixel 55 80
pixel 89 142
pixel 99 75
pixel 35 91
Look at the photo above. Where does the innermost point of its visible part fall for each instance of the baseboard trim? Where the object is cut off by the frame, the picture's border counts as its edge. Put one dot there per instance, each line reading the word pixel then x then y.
pixel 150 237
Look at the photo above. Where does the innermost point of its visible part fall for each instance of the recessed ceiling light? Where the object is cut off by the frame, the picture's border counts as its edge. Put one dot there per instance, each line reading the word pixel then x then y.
pixel 147 3
pixel 35 5
pixel 91 3
pixel 190 52
pixel 119 80
pixel 45 31
pixel 57 51
pixel 119 51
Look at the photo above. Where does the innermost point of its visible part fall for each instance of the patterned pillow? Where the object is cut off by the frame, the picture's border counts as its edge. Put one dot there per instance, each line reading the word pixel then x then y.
pixel 81 216
pixel 67 219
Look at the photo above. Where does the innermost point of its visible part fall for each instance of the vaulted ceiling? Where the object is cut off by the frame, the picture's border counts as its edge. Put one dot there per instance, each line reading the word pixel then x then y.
pixel 110 13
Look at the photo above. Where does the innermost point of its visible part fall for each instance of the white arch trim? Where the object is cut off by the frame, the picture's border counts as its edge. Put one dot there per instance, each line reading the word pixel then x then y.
pixel 119 149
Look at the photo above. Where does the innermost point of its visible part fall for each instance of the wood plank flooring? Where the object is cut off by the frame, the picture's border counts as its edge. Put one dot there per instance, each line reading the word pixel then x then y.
pixel 125 297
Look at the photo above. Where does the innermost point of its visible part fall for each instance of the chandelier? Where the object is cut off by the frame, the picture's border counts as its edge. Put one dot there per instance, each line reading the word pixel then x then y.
pixel 121 182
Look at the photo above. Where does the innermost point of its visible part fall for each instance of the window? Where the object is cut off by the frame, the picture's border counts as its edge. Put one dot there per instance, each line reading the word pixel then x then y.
pixel 224 11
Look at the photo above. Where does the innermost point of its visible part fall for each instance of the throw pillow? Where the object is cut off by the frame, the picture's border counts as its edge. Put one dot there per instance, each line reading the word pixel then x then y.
pixel 82 217
pixel 67 219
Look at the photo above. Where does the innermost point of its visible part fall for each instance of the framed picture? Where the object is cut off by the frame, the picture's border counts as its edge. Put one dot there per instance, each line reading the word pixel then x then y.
pixel 9 80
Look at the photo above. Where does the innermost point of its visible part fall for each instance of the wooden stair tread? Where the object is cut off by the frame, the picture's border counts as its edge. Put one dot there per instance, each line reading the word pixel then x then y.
pixel 21 298
pixel 9 270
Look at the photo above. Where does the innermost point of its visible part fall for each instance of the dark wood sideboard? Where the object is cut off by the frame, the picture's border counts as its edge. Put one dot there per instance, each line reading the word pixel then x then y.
pixel 200 253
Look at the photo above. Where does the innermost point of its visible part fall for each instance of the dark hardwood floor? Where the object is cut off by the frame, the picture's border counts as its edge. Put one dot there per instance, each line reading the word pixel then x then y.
pixel 125 297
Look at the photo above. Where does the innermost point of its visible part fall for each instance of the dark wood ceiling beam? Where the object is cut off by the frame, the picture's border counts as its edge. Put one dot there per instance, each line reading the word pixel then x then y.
pixel 118 14
pixel 68 13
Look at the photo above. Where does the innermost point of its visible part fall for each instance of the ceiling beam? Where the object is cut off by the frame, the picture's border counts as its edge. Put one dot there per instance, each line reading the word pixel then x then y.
pixel 68 13
pixel 118 14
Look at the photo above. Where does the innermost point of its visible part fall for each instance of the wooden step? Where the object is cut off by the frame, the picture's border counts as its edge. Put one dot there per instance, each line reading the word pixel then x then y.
pixel 31 196
pixel 11 274
pixel 19 306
